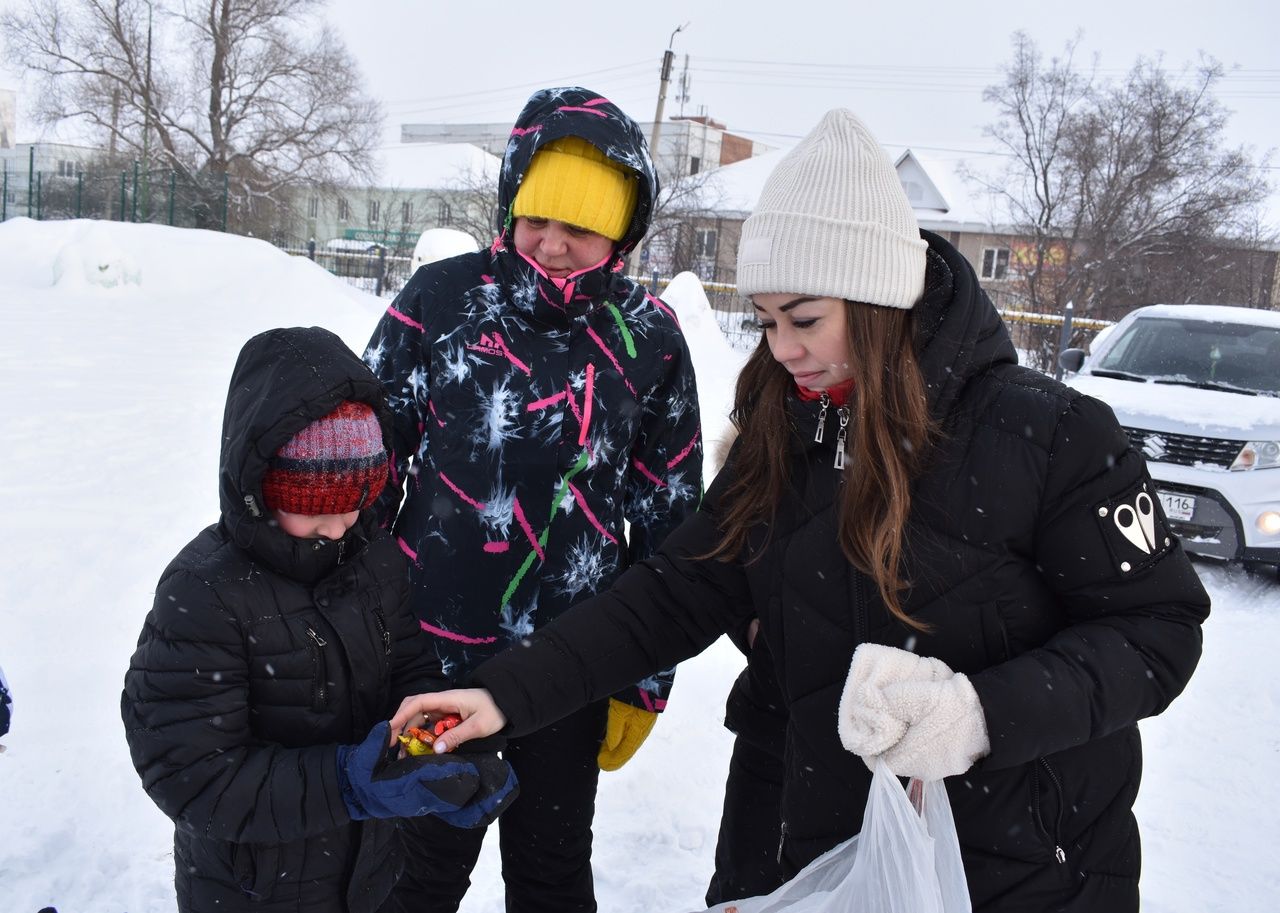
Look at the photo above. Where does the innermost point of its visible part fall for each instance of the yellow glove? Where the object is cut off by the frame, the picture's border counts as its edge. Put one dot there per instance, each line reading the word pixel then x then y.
pixel 628 727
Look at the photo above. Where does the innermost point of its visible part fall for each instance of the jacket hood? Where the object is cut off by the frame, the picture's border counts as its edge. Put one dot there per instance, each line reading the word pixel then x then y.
pixel 958 331
pixel 552 114
pixel 283 380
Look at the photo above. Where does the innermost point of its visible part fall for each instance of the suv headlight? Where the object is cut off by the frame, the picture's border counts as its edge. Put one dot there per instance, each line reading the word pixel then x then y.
pixel 1258 455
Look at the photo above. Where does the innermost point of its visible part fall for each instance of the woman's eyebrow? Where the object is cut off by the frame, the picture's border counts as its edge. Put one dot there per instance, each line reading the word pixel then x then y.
pixel 790 304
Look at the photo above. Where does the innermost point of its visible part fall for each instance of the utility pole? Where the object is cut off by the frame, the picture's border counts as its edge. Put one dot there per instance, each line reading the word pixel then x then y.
pixel 664 78
pixel 668 56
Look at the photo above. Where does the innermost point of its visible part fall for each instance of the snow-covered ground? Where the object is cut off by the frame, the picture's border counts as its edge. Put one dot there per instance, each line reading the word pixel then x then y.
pixel 116 343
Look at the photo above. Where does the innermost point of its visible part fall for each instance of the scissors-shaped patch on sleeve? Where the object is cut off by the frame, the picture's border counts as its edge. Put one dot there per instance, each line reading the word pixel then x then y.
pixel 1134 528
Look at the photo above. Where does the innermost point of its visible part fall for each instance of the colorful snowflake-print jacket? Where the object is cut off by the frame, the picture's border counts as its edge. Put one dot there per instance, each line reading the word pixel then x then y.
pixel 546 433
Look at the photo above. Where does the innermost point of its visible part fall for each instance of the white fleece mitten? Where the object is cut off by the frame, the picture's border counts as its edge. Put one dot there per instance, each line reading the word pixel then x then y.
pixel 911 711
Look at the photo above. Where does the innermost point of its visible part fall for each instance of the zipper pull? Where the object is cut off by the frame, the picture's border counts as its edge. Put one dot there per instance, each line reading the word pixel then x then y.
pixel 782 838
pixel 252 503
pixel 822 417
pixel 1060 854
pixel 320 641
pixel 843 412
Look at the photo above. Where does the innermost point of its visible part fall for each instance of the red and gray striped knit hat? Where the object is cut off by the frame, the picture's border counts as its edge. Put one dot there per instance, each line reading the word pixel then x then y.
pixel 335 465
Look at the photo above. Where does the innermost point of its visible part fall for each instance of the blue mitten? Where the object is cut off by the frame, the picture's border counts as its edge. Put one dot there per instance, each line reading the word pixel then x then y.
pixel 497 790
pixel 428 784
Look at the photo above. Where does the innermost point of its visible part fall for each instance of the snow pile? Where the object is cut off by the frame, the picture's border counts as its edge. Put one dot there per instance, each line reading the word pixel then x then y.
pixel 716 362
pixel 440 244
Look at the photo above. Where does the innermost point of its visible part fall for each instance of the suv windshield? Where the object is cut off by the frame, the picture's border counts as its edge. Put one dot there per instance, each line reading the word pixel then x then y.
pixel 1199 353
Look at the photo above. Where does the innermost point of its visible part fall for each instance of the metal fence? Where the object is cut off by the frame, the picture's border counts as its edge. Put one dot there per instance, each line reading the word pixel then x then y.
pixel 128 193
pixel 368 267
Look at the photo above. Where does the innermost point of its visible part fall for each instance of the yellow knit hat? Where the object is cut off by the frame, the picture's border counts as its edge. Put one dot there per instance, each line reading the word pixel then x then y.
pixel 572 181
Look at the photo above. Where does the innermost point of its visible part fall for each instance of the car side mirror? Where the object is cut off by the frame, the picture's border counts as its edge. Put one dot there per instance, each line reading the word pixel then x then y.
pixel 1071 359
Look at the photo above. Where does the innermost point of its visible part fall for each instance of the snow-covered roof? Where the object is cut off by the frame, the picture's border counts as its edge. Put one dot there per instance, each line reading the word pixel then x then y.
pixel 939 196
pixel 435 166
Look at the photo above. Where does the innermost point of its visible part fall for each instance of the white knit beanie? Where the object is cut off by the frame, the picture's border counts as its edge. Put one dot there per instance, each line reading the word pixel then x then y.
pixel 834 221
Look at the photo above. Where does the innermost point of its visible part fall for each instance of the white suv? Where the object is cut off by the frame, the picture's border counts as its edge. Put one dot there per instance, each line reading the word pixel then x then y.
pixel 1197 388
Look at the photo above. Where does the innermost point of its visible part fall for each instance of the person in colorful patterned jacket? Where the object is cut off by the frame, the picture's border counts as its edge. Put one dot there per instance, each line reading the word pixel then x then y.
pixel 547 436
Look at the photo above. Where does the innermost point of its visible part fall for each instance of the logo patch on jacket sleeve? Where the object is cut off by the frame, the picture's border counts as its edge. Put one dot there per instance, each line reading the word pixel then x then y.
pixel 1134 528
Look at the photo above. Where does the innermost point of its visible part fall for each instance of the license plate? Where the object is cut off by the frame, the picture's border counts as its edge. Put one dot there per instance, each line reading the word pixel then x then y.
pixel 1176 506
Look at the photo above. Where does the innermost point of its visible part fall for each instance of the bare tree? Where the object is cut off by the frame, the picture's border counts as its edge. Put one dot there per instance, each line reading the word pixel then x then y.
pixel 1121 192
pixel 686 206
pixel 258 93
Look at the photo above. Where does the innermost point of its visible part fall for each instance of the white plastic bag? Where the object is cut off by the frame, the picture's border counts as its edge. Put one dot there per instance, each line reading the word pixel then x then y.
pixel 905 860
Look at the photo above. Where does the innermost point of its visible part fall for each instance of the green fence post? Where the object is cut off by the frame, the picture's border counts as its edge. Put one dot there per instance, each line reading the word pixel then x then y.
pixel 79 192
pixel 133 202
pixel 173 185
pixel 39 196
pixel 4 196
pixel 124 176
pixel 31 176
pixel 225 185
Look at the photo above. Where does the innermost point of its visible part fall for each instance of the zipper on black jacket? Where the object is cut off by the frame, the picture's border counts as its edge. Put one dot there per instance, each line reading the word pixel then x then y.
pixel 1055 835
pixel 843 413
pixel 824 403
pixel 782 838
pixel 319 696
pixel 382 629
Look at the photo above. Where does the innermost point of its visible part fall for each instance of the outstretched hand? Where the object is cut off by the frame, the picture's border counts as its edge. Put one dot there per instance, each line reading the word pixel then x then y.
pixel 480 715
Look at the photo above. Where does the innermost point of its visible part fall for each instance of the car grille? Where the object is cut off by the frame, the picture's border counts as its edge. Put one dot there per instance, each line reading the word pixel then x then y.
pixel 1184 449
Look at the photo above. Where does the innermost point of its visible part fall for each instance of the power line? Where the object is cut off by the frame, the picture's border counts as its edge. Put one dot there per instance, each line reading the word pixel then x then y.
pixel 460 99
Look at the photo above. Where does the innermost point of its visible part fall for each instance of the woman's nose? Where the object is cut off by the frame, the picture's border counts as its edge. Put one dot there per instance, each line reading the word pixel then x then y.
pixel 784 345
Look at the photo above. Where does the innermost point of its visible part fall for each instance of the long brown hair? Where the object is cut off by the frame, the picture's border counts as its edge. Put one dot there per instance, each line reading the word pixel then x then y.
pixel 889 434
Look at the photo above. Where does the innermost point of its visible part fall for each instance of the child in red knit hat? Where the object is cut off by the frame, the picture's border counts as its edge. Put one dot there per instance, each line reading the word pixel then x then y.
pixel 278 644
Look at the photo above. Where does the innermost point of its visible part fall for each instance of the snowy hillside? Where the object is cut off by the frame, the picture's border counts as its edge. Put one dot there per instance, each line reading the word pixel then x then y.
pixel 116 344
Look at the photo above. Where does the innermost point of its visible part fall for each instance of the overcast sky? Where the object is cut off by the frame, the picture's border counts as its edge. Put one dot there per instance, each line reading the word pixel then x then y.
pixel 913 70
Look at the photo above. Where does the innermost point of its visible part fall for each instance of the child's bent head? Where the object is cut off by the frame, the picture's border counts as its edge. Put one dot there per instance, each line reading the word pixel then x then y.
pixel 328 471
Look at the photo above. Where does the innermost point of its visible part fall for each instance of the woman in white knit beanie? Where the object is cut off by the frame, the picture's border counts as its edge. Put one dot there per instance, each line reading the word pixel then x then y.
pixel 944 561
